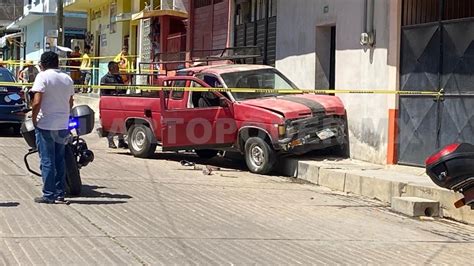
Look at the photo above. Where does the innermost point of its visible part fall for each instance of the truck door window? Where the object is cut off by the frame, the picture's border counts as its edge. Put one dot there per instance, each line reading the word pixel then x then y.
pixel 215 83
pixel 205 99
pixel 202 99
pixel 178 95
pixel 212 81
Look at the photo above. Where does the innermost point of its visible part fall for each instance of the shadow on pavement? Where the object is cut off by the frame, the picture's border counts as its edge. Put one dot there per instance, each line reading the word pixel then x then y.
pixel 7 132
pixel 9 204
pixel 97 202
pixel 234 163
pixel 89 191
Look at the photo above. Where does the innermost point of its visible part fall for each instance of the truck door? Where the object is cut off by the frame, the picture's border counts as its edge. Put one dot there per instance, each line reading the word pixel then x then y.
pixel 205 122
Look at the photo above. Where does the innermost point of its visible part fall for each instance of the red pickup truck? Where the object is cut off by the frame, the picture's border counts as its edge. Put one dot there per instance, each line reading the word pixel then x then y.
pixel 262 126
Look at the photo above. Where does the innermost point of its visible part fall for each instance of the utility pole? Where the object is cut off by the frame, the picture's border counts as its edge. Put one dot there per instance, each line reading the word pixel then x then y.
pixel 60 21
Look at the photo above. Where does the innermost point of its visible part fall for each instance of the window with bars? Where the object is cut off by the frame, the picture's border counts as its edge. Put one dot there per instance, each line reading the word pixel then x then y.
pixel 203 3
pixel 254 10
pixel 416 12
pixel 113 17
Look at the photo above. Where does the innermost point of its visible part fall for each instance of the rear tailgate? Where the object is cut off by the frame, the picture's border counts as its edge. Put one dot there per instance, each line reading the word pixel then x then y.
pixel 115 110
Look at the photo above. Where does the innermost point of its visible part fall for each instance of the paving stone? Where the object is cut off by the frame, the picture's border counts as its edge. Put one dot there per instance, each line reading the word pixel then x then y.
pixel 156 211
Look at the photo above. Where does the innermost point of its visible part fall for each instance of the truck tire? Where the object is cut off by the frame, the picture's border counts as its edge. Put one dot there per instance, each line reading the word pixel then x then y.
pixel 73 176
pixel 206 154
pixel 141 141
pixel 259 156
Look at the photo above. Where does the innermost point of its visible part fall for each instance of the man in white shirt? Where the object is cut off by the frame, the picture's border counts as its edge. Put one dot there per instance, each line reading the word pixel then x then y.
pixel 52 105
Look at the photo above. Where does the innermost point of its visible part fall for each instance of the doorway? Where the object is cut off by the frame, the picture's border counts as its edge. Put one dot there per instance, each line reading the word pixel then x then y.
pixel 332 60
pixel 325 57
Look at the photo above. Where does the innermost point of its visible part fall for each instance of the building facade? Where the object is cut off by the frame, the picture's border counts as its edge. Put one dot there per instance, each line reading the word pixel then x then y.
pixel 39 27
pixel 217 24
pixel 407 45
pixel 9 39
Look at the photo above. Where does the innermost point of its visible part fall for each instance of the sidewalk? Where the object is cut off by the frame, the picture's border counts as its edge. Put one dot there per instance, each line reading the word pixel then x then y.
pixel 377 181
pixel 360 178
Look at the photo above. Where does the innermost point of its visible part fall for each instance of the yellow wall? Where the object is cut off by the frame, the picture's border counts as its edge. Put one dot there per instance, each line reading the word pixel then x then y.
pixel 101 25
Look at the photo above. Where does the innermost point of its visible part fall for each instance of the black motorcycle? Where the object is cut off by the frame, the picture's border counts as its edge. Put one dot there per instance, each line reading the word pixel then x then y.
pixel 453 168
pixel 77 154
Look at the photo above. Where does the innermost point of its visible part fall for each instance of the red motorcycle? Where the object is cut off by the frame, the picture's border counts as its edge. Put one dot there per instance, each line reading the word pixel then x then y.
pixel 453 168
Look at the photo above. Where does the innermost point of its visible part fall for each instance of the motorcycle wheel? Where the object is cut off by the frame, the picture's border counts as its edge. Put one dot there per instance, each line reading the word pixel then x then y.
pixel 73 176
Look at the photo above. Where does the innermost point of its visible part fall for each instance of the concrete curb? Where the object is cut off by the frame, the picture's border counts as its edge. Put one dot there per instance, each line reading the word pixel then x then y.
pixel 384 187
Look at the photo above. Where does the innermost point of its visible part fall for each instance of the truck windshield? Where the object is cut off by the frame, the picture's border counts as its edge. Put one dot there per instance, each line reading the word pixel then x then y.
pixel 268 78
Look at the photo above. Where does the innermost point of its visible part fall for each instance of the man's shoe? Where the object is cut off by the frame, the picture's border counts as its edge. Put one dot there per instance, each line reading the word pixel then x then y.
pixel 61 200
pixel 122 145
pixel 43 200
pixel 112 145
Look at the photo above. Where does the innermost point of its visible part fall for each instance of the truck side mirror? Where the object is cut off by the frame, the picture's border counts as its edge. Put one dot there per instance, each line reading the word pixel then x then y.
pixel 223 102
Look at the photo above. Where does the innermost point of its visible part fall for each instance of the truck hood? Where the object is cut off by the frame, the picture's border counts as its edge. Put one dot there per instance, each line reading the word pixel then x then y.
pixel 301 105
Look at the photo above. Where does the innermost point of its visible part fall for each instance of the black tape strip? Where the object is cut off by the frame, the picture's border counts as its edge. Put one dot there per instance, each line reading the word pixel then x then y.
pixel 315 107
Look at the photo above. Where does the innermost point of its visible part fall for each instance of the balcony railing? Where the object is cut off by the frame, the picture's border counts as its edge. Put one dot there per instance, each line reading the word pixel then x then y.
pixel 173 5
pixel 68 2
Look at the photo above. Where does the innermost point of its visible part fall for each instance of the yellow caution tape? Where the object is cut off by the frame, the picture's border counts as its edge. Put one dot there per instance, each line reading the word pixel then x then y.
pixel 78 67
pixel 246 90
pixel 95 57
pixel 20 61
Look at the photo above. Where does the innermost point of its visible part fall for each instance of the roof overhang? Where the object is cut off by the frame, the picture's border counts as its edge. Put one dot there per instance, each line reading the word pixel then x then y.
pixel 83 5
pixel 28 19
pixel 159 13
pixel 4 39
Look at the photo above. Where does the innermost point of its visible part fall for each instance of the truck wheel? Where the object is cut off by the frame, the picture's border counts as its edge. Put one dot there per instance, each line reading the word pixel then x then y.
pixel 141 141
pixel 259 156
pixel 206 154
pixel 73 176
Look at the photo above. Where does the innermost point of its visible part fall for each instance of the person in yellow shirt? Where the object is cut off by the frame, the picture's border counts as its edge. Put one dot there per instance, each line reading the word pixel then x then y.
pixel 124 64
pixel 86 70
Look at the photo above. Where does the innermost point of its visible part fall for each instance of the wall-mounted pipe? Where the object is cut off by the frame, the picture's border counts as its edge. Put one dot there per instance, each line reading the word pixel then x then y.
pixel 370 15
pixel 367 37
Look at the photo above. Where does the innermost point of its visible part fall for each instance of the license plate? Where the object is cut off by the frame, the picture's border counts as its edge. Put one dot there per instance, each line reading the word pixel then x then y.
pixel 325 134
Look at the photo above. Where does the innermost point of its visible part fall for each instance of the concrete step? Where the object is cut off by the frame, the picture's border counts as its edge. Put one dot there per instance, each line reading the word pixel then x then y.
pixel 415 207
pixel 375 181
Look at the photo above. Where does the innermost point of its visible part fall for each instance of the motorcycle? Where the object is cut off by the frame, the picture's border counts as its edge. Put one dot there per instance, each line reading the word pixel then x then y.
pixel 453 168
pixel 77 154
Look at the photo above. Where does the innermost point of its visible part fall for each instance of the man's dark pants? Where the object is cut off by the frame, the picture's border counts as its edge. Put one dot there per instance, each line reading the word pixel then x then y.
pixel 51 147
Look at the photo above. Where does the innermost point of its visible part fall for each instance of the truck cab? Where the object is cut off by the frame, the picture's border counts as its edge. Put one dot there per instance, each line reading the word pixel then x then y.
pixel 261 125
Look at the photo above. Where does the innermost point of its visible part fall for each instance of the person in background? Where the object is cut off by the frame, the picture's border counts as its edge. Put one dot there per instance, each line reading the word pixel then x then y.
pixel 52 103
pixel 75 65
pixel 28 73
pixel 113 77
pixel 86 69
pixel 124 64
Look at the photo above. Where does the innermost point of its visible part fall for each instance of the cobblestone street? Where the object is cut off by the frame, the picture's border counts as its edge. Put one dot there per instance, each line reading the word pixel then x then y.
pixel 157 211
